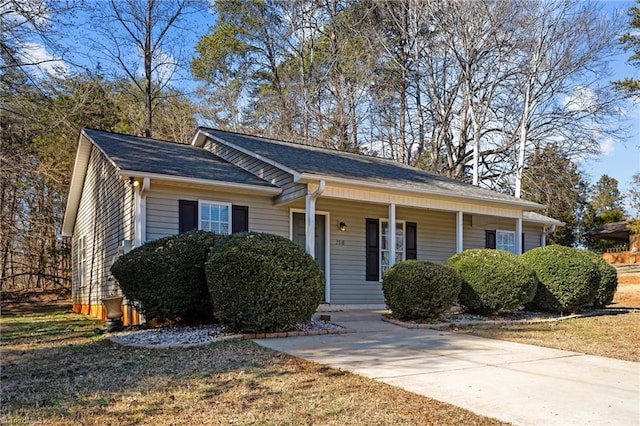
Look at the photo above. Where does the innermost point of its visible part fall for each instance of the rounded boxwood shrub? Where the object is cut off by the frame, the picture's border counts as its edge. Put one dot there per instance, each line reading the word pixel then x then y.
pixel 493 280
pixel 567 278
pixel 419 290
pixel 262 283
pixel 165 278
pixel 608 283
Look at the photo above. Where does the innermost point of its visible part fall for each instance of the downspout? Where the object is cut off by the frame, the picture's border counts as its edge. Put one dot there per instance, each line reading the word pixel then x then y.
pixel 545 232
pixel 310 218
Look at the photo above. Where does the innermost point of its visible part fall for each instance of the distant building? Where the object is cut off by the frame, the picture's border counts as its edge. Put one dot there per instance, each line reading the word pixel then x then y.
pixel 627 251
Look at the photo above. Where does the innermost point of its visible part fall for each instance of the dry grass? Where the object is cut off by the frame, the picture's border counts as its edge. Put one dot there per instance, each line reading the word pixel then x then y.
pixel 627 295
pixel 56 371
pixel 612 336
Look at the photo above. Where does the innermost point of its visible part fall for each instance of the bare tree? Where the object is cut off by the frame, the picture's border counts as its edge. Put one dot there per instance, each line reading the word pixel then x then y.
pixel 559 94
pixel 143 38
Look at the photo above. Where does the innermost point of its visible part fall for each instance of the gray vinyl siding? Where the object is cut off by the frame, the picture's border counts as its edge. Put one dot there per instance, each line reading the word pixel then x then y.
pixel 162 210
pixel 532 236
pixel 274 175
pixel 104 220
pixel 348 261
pixel 474 235
pixel 436 233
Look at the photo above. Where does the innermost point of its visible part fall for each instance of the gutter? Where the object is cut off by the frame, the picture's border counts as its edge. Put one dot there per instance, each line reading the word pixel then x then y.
pixel 272 190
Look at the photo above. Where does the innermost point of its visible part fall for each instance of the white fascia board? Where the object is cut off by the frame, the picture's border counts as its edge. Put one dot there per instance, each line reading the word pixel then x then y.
pixel 126 174
pixel 199 138
pixel 78 175
pixel 390 186
pixel 294 173
pixel 541 219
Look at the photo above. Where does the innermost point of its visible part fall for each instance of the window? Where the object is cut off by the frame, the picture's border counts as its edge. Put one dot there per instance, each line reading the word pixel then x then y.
pixel 387 242
pixel 377 245
pixel 506 240
pixel 214 217
pixel 81 259
pixel 222 218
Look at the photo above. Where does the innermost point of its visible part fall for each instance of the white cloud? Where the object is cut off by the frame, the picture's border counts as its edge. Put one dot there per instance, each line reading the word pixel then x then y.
pixel 36 56
pixel 164 66
pixel 582 99
pixel 607 147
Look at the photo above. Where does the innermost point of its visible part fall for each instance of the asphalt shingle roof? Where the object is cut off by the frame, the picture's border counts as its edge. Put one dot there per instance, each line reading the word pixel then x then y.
pixel 322 161
pixel 169 158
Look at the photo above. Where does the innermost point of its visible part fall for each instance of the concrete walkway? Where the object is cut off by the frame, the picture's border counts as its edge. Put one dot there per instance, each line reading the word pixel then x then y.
pixel 513 382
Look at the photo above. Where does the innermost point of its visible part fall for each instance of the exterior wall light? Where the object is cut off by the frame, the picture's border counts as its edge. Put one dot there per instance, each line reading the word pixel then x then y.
pixel 342 227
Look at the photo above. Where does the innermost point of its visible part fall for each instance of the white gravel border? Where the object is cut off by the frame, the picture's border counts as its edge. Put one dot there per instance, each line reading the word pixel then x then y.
pixel 186 336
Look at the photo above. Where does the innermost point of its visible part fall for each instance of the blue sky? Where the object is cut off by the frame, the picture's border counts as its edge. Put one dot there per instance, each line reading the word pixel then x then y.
pixel 619 159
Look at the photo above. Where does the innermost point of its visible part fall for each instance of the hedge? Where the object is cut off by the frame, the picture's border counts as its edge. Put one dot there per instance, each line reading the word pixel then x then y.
pixel 568 278
pixel 263 283
pixel 493 280
pixel 419 290
pixel 165 278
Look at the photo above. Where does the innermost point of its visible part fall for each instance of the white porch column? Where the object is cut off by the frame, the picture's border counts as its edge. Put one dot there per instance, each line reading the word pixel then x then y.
pixel 518 239
pixel 459 232
pixel 310 218
pixel 140 211
pixel 310 225
pixel 392 235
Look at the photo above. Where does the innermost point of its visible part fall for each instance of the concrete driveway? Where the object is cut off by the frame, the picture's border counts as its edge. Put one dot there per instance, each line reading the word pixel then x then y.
pixel 513 382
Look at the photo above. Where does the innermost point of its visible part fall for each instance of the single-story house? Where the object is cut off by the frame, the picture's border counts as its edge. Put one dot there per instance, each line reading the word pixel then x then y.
pixel 339 206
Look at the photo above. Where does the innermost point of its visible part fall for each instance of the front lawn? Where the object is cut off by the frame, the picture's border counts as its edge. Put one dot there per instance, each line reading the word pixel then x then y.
pixel 56 371
pixel 613 336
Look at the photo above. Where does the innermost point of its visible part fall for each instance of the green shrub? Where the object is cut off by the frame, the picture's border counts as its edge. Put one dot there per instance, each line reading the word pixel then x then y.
pixel 608 283
pixel 568 279
pixel 165 278
pixel 263 283
pixel 418 290
pixel 493 280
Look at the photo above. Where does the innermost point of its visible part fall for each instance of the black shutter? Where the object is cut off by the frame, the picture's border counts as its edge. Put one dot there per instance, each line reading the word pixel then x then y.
pixel 373 249
pixel 412 240
pixel 187 215
pixel 239 219
pixel 490 239
pixel 522 242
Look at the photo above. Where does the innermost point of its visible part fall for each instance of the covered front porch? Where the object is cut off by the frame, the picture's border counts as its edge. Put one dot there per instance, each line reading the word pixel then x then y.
pixel 354 244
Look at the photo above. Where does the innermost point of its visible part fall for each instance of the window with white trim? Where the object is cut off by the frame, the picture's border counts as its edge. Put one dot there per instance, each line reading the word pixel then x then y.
pixel 81 258
pixel 214 217
pixel 506 240
pixel 386 244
